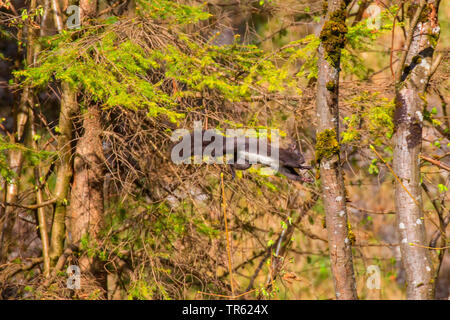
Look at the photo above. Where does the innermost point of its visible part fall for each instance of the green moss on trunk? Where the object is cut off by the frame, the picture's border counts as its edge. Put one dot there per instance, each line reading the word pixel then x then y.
pixel 330 85
pixel 324 7
pixel 333 35
pixel 327 144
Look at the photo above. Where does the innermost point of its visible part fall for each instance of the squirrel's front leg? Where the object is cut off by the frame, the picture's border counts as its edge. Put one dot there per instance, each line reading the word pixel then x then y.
pixel 235 166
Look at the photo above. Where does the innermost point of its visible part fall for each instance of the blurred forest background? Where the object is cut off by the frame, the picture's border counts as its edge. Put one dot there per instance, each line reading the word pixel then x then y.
pixel 86 119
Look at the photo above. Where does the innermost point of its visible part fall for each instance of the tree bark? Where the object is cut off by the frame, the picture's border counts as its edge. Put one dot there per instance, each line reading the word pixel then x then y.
pixel 64 172
pixel 42 221
pixel 410 87
pixel 15 162
pixel 15 156
pixel 88 8
pixel 327 150
pixel 86 200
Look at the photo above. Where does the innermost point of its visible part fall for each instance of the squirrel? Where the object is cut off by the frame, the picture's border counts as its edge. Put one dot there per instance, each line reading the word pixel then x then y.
pixel 245 152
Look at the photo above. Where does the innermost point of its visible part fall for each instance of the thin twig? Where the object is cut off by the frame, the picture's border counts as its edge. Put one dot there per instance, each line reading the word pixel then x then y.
pixel 435 162
pixel 29 207
pixel 230 267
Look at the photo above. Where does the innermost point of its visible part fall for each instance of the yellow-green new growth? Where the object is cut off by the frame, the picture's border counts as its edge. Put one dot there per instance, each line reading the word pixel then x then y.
pixel 327 144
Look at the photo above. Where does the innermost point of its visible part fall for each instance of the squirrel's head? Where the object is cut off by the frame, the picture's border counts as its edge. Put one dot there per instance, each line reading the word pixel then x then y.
pixel 292 156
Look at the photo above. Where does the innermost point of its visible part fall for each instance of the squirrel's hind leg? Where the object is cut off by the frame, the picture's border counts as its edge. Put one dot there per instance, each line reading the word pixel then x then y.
pixel 236 166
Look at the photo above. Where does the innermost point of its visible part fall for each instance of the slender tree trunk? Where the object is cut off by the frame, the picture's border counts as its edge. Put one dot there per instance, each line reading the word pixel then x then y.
pixel 64 171
pixel 15 156
pixel 362 6
pixel 327 150
pixel 42 221
pixel 15 162
pixel 412 80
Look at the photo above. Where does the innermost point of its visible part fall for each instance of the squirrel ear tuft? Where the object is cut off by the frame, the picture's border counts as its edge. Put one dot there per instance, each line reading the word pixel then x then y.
pixel 293 146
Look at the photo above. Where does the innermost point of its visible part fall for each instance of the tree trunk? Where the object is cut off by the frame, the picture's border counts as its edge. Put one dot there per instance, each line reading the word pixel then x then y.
pixel 327 149
pixel 412 80
pixel 15 162
pixel 86 201
pixel 15 156
pixel 64 171
pixel 88 8
pixel 42 221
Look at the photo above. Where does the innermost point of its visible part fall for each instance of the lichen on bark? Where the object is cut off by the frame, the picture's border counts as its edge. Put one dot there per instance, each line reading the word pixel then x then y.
pixel 325 7
pixel 330 85
pixel 327 144
pixel 333 35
